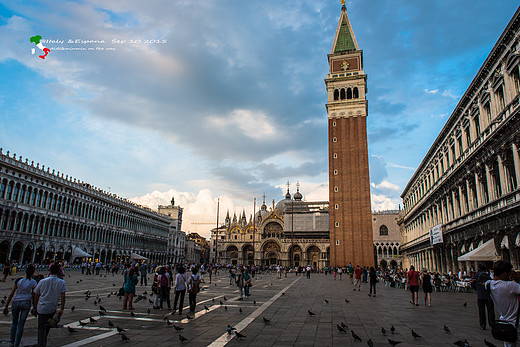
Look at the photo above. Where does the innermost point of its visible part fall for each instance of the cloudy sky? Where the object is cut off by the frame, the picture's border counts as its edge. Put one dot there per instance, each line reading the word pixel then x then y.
pixel 208 99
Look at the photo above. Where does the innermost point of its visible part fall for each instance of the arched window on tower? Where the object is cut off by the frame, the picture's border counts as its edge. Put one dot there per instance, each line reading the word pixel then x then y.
pixel 356 93
pixel 342 94
pixel 383 230
pixel 336 94
pixel 349 93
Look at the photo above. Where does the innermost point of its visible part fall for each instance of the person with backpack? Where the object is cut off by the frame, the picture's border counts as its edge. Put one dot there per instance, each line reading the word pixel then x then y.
pixel 180 288
pixel 164 288
pixel 22 296
pixel 194 288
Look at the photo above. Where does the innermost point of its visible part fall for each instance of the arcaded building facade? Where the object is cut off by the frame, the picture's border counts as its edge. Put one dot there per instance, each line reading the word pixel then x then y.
pixel 387 238
pixel 45 216
pixel 468 181
pixel 349 185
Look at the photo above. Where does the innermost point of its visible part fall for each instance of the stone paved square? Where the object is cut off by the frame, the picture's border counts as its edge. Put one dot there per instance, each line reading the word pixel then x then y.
pixel 285 302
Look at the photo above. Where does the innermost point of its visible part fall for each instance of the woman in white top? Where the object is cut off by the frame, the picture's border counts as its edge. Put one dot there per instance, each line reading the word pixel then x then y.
pixel 180 288
pixel 22 297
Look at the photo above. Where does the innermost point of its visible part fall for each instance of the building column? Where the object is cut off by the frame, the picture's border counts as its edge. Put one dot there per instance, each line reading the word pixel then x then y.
pixel 490 184
pixel 462 201
pixel 470 196
pixel 456 204
pixel 502 175
pixel 478 190
pixel 454 262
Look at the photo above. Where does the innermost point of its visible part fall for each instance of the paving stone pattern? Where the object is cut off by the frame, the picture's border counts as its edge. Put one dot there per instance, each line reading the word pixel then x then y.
pixel 290 325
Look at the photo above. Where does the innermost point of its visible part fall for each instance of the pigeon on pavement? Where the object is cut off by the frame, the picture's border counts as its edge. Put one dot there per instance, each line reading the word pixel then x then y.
pixel 355 337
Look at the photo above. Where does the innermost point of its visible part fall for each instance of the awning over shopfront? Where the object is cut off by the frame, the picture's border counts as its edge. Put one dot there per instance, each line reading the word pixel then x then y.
pixel 137 257
pixel 485 252
pixel 79 253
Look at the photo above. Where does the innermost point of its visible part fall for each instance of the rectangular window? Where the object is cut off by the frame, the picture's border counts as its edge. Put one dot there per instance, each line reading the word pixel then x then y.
pixel 476 124
pixel 468 136
pixel 459 143
pixel 487 113
pixel 500 98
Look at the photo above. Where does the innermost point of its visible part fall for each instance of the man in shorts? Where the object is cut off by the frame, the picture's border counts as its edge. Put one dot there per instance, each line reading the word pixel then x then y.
pixel 413 282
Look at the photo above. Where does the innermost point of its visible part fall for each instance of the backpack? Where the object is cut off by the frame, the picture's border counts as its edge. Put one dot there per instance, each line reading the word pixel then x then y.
pixel 195 285
pixel 164 280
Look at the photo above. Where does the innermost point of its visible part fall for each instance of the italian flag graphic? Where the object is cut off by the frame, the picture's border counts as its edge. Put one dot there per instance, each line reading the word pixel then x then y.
pixel 36 39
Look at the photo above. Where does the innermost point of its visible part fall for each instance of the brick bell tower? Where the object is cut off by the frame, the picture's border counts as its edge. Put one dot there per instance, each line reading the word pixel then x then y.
pixel 351 239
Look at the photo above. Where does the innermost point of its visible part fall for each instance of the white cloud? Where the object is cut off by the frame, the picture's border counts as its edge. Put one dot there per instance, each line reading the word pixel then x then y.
pixel 253 124
pixel 385 185
pixel 450 94
pixel 382 202
pixel 401 166
pixel 199 210
pixel 428 91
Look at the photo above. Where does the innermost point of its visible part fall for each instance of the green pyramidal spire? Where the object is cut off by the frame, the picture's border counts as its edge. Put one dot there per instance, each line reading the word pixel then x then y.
pixel 345 39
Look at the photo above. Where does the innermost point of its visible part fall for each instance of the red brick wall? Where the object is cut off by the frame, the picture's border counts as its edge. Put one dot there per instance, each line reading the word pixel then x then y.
pixel 353 196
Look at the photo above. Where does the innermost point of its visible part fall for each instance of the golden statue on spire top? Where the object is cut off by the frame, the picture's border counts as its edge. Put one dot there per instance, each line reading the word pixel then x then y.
pixel 343 2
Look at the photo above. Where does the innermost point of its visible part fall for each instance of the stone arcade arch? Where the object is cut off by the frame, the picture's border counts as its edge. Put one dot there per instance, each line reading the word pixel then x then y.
pixel 247 254
pixel 28 254
pixel 313 256
pixel 4 252
pixel 40 254
pixel 271 253
pixel 49 255
pixel 296 256
pixel 68 254
pixel 16 252
pixel 232 254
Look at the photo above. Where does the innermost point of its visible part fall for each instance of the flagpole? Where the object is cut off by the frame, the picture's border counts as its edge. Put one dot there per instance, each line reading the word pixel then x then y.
pixel 216 233
pixel 254 228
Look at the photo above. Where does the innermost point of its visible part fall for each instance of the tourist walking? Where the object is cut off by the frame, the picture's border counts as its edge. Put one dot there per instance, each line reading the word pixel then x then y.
pixel 7 271
pixel 427 287
pixel 22 297
pixel 358 272
pixel 340 272
pixel 351 273
pixel 412 278
pixel 180 288
pixel 240 283
pixel 247 282
pixel 504 293
pixel 129 289
pixel 48 292
pixel 193 288
pixel 164 288
pixel 231 275
pixel 143 269
pixel 372 275
pixel 308 271
pixel 483 299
